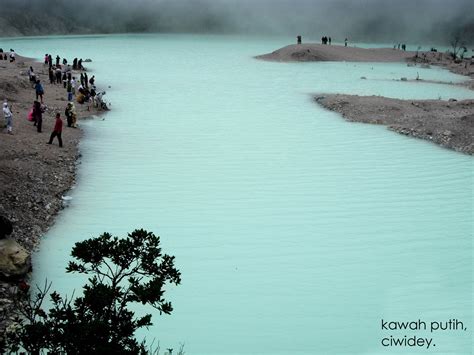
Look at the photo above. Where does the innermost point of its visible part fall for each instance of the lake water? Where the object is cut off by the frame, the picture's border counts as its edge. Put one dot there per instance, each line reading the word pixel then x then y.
pixel 296 232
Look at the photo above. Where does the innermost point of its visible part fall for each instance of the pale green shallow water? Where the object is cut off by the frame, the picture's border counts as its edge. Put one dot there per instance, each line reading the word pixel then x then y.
pixel 295 231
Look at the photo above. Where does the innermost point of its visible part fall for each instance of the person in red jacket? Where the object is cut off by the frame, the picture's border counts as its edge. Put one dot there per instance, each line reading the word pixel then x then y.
pixel 58 129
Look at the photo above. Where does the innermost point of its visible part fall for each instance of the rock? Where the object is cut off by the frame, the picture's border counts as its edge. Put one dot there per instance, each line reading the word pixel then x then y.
pixel 452 100
pixel 6 227
pixel 15 261
pixel 88 60
pixel 404 79
pixel 363 78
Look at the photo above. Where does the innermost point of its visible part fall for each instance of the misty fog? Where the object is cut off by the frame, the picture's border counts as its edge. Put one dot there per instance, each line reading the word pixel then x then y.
pixel 390 21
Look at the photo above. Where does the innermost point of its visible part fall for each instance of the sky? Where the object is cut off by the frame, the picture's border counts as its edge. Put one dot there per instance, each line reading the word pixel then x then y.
pixel 389 21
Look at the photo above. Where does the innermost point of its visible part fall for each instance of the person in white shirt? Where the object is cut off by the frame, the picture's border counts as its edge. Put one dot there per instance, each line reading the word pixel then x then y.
pixel 9 117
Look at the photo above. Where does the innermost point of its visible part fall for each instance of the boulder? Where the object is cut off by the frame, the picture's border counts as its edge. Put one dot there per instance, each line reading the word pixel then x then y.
pixel 15 261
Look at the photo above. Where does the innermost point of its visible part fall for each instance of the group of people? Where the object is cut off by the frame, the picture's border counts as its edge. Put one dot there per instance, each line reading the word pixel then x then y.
pixel 3 56
pixel 84 91
pixel 402 45
pixel 326 40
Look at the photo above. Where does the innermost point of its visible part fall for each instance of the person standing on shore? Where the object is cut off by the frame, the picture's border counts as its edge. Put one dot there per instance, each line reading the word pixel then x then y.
pixel 58 75
pixel 69 113
pixel 86 81
pixel 9 117
pixel 57 131
pixel 92 80
pixel 69 90
pixel 39 90
pixel 345 42
pixel 58 58
pixel 52 76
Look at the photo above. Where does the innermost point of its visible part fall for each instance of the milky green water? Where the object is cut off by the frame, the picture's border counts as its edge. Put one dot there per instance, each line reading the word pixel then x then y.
pixel 296 232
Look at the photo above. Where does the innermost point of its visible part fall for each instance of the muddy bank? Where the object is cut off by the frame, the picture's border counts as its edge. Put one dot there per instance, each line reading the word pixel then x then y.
pixel 34 176
pixel 449 124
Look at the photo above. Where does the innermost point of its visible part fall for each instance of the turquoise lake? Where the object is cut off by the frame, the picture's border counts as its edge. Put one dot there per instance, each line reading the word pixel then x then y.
pixel 295 231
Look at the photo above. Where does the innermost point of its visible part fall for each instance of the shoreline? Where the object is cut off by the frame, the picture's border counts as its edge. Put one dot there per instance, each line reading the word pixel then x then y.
pixel 449 124
pixel 34 176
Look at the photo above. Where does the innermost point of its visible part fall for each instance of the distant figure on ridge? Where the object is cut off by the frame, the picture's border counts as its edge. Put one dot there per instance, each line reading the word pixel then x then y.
pixel 58 129
pixel 329 40
pixel 345 42
pixel 58 58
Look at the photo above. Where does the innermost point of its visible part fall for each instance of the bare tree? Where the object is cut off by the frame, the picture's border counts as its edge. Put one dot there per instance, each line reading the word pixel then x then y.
pixel 457 45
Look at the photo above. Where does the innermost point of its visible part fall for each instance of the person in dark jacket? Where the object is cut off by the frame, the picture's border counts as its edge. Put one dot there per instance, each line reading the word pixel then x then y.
pixel 57 131
pixel 69 113
pixel 38 115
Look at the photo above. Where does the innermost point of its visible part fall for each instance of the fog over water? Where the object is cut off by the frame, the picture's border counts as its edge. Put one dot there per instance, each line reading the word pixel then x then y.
pixel 362 20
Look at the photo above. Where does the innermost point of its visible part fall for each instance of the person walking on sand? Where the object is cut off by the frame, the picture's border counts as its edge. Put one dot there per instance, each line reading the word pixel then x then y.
pixel 9 117
pixel 39 90
pixel 38 116
pixel 57 131
pixel 12 56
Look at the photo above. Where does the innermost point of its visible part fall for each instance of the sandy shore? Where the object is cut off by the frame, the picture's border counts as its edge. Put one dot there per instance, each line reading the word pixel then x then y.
pixel 34 176
pixel 313 52
pixel 449 124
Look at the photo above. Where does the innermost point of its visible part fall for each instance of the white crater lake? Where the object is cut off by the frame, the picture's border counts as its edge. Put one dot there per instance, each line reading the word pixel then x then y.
pixel 295 231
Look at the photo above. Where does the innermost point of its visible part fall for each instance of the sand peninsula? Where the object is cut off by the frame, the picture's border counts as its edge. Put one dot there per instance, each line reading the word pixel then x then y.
pixel 34 176
pixel 447 123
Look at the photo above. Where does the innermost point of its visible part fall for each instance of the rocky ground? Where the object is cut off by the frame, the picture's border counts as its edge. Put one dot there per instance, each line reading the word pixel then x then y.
pixel 447 123
pixel 34 176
